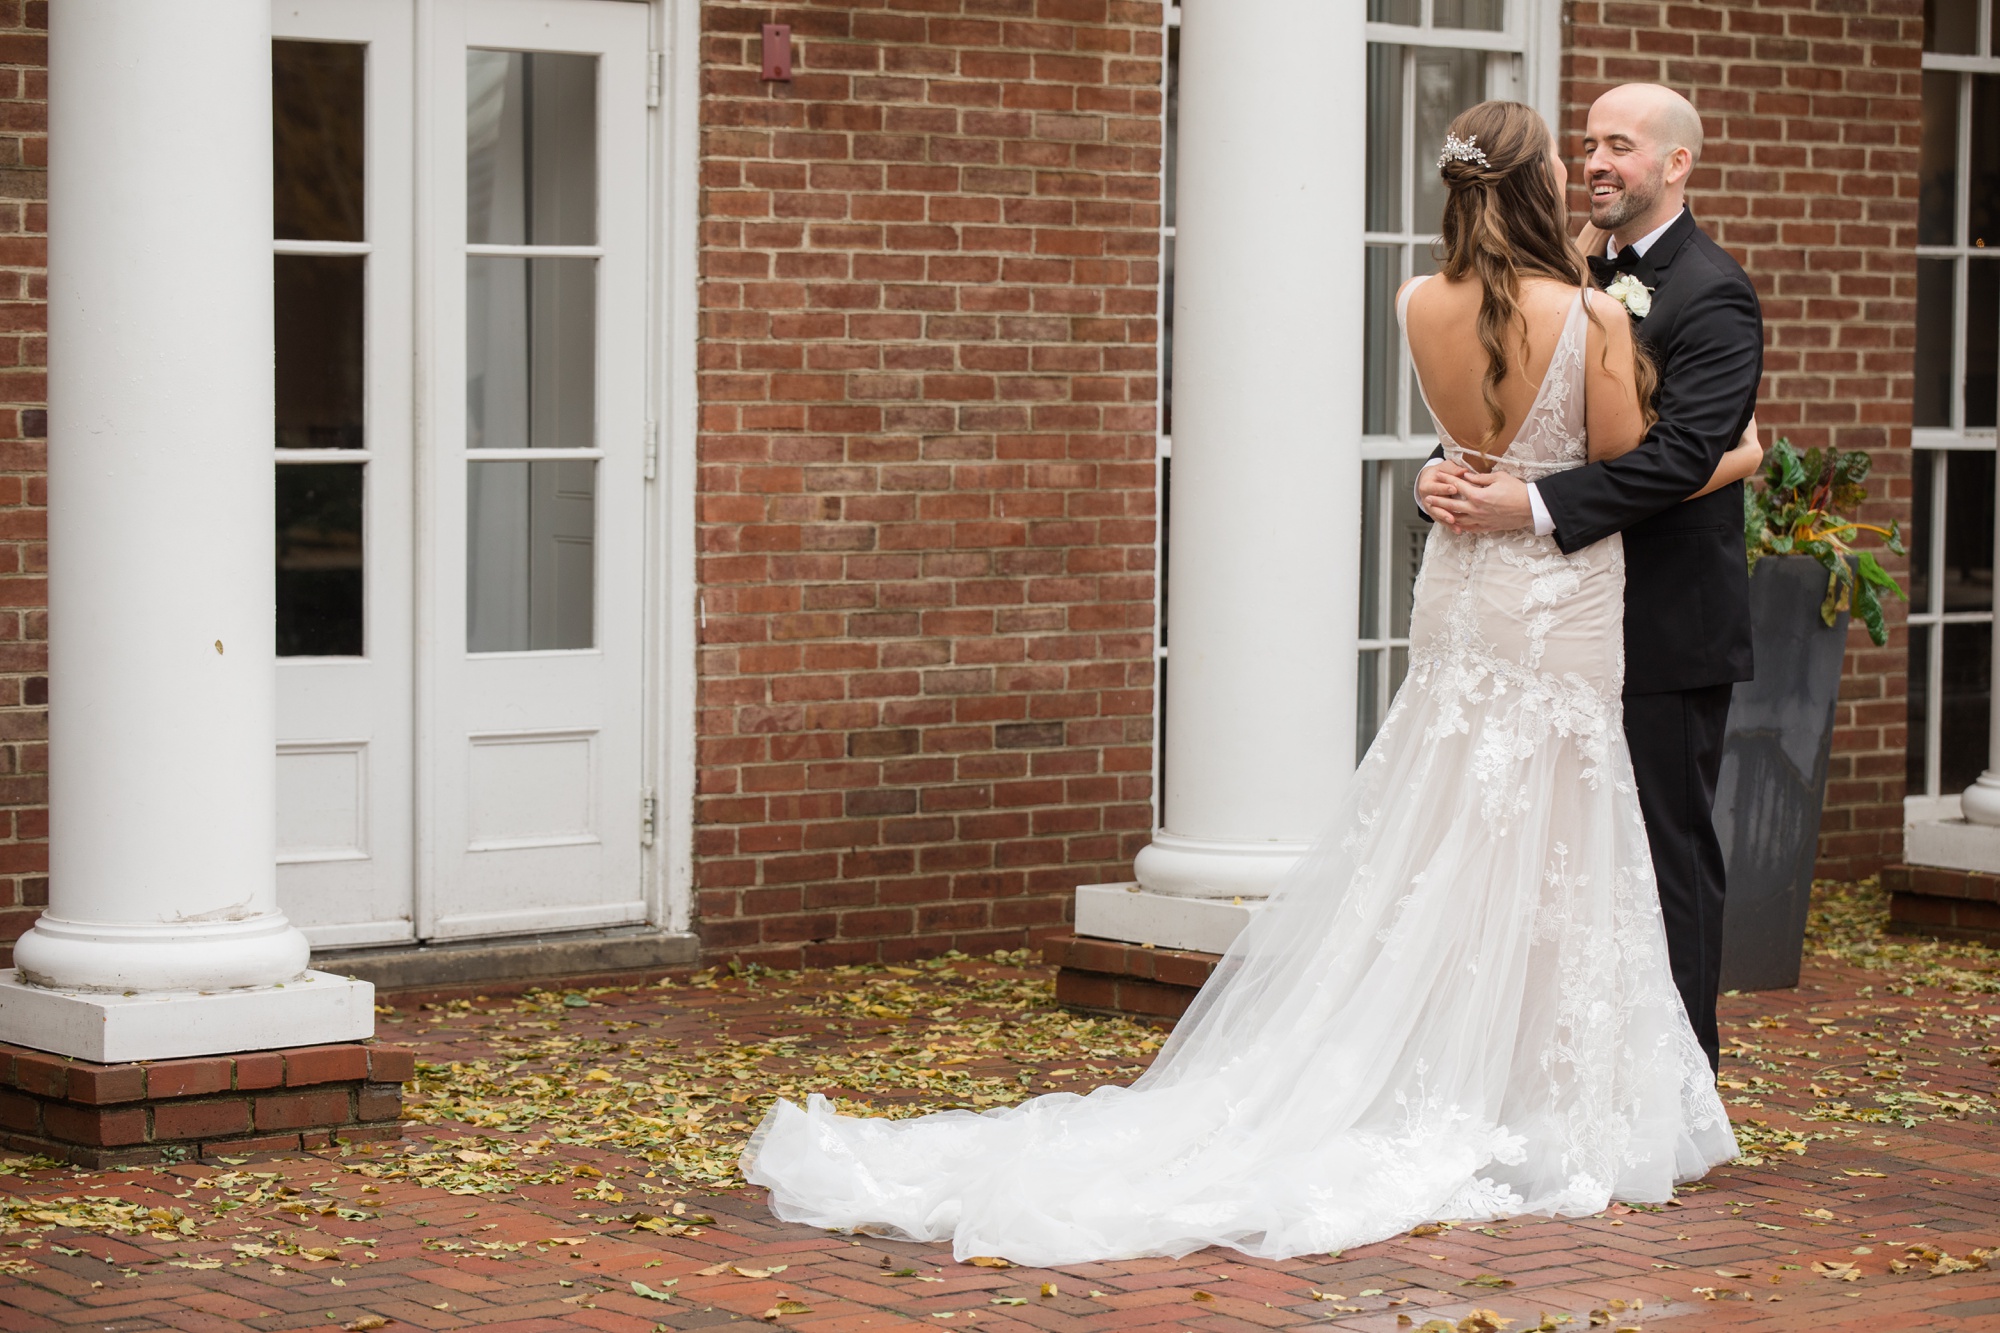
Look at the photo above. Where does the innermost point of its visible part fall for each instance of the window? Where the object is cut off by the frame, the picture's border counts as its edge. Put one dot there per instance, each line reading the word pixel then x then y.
pixel 1428 60
pixel 1956 402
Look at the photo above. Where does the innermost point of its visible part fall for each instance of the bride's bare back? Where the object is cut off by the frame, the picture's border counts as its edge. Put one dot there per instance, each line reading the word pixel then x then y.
pixel 1444 343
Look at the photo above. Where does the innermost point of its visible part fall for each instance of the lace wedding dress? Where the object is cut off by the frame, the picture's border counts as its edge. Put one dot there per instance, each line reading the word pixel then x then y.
pixel 1457 1005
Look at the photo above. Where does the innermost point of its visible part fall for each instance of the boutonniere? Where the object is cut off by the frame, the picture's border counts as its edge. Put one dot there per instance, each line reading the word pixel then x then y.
pixel 1634 295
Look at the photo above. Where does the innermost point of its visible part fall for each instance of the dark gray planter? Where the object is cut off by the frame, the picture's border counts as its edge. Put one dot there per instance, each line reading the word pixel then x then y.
pixel 1773 782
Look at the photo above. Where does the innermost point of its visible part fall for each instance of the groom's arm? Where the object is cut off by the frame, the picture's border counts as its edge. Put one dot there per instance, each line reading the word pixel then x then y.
pixel 1714 359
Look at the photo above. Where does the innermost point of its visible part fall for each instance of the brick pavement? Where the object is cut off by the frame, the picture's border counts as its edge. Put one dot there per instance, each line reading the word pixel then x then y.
pixel 1893 1061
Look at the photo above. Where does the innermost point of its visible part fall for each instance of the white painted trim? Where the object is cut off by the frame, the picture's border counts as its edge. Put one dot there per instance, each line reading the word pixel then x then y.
pixel 674 637
pixel 1542 60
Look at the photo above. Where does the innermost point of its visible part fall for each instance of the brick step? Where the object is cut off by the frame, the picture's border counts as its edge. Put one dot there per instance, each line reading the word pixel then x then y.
pixel 1943 903
pixel 179 1110
pixel 1129 980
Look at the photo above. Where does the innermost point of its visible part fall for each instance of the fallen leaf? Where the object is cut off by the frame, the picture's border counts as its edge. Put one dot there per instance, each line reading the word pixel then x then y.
pixel 1204 1296
pixel 1048 1289
pixel 641 1289
pixel 988 1261
pixel 367 1324
pixel 1488 1280
pixel 785 1307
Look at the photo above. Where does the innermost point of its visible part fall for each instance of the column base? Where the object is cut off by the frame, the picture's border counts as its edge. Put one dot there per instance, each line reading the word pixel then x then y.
pixel 92 1025
pixel 1135 915
pixel 1173 863
pixel 99 1115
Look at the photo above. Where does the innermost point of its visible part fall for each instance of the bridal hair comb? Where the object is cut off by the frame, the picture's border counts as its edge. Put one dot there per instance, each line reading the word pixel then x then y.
pixel 1462 150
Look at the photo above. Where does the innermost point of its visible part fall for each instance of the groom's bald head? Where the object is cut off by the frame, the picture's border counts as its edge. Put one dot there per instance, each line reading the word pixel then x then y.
pixel 1641 142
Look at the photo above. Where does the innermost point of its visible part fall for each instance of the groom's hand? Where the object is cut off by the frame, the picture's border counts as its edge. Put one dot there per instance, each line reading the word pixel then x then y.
pixel 1439 482
pixel 1486 502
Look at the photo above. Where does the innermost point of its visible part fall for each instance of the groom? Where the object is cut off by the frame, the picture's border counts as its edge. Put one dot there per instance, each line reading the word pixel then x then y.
pixel 1687 592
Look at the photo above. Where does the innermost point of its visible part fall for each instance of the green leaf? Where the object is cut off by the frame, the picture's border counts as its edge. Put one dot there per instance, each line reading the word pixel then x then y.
pixel 1869 609
pixel 641 1289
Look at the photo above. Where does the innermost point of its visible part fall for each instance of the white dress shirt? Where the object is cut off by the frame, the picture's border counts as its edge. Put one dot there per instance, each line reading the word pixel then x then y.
pixel 1544 525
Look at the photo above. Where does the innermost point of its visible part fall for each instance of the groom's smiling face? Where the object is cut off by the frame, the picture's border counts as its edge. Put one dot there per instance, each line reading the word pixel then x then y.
pixel 1633 165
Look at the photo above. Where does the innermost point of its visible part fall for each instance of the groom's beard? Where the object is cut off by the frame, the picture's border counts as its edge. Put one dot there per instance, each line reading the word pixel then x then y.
pixel 1634 199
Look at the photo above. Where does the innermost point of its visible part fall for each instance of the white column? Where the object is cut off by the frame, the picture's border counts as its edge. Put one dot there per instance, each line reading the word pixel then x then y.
pixel 1267 420
pixel 163 934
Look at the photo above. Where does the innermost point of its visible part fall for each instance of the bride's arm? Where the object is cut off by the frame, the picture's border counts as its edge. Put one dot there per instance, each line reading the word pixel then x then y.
pixel 1739 463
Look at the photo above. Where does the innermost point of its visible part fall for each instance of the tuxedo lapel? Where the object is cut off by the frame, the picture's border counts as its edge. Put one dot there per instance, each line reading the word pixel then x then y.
pixel 1660 257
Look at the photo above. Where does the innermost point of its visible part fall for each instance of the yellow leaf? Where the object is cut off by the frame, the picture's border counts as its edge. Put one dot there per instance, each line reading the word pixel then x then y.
pixel 786 1307
pixel 366 1324
pixel 988 1261
pixel 1048 1289
pixel 1204 1296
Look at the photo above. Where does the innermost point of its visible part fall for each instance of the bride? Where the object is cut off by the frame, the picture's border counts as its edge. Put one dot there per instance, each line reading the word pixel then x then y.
pixel 1458 1004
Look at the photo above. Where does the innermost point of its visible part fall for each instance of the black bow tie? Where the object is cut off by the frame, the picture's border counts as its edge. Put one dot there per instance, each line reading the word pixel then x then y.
pixel 1629 260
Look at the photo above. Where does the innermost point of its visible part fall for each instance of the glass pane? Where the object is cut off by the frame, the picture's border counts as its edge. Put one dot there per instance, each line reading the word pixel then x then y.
pixel 319 351
pixel 1166 539
pixel 1967 575
pixel 1371 548
pixel 1167 337
pixel 1394 11
pixel 1968 681
pixel 1382 346
pixel 1982 340
pixel 1917 753
pixel 531 353
pixel 1923 468
pixel 1407 534
pixel 1385 137
pixel 317 134
pixel 1982 186
pixel 530 555
pixel 1932 399
pixel 1937 172
pixel 530 148
pixel 1447 82
pixel 1170 162
pixel 1368 703
pixel 1486 15
pixel 319 560
pixel 1952 26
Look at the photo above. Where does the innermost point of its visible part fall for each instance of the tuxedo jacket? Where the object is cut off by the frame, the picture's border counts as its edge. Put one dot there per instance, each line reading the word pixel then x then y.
pixel 1687 585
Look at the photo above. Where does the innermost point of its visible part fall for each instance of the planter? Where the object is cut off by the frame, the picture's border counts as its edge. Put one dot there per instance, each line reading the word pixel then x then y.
pixel 1773 780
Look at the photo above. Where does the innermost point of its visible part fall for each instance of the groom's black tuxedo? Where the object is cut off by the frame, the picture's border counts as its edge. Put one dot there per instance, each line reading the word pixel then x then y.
pixel 1687 587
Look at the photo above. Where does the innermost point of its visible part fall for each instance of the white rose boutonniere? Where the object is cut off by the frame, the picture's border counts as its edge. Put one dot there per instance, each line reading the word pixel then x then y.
pixel 1634 295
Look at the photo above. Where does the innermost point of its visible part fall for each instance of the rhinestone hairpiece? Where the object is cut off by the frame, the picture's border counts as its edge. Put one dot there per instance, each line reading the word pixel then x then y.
pixel 1462 150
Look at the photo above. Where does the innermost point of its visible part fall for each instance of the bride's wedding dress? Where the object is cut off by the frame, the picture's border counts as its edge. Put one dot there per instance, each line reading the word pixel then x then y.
pixel 1458 1005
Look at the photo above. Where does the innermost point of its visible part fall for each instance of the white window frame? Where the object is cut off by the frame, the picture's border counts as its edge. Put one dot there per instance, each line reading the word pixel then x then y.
pixel 1930 619
pixel 1533 37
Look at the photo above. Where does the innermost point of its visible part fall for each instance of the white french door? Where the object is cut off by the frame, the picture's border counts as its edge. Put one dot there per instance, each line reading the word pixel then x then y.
pixel 461 457
pixel 536 618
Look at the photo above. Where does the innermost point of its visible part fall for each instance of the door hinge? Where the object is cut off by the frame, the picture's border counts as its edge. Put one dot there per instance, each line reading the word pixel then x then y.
pixel 656 76
pixel 652 449
pixel 649 811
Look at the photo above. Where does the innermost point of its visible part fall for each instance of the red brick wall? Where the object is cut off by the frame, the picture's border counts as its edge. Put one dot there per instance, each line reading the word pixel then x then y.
pixel 1813 115
pixel 929 312
pixel 24 848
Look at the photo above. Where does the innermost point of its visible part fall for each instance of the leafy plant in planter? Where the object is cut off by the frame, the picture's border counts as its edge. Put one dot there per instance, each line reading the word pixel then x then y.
pixel 1796 509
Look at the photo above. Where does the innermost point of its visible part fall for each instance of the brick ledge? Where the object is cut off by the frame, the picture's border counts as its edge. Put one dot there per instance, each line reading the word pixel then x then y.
pixel 100 1115
pixel 1127 980
pixel 1943 903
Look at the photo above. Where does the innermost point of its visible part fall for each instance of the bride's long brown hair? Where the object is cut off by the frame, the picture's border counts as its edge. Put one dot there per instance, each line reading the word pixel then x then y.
pixel 1504 220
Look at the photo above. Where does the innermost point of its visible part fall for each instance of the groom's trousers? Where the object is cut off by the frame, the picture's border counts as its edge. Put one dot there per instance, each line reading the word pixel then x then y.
pixel 1676 743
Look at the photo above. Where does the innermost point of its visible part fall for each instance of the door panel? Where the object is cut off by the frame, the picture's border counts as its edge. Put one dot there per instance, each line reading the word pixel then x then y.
pixel 342 103
pixel 536 540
